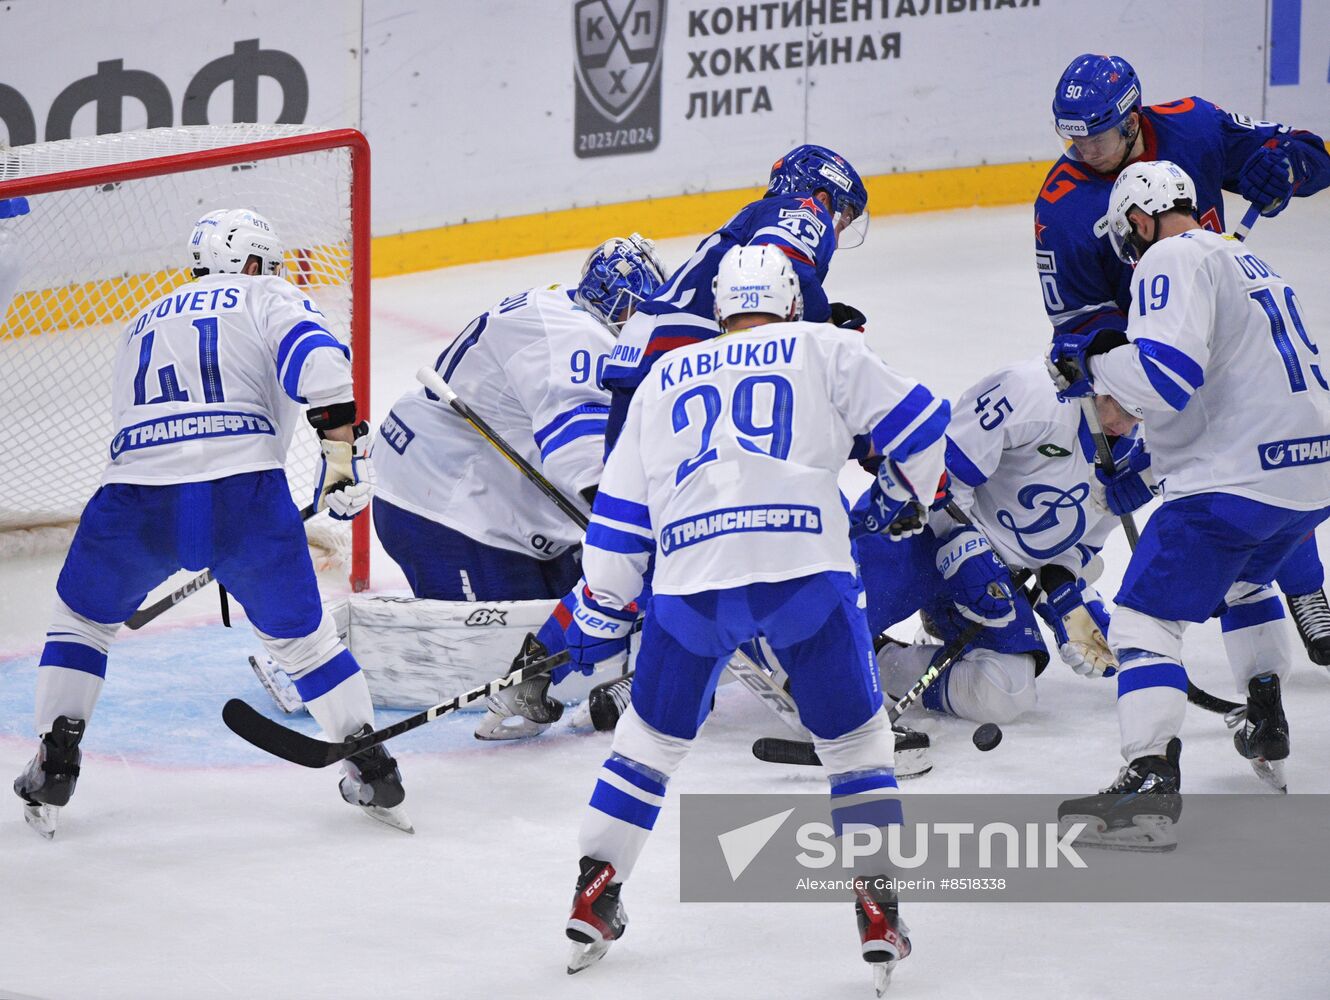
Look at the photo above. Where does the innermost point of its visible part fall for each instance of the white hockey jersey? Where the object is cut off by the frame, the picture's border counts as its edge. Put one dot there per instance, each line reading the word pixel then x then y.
pixel 209 381
pixel 1022 464
pixel 727 466
pixel 530 367
pixel 1225 374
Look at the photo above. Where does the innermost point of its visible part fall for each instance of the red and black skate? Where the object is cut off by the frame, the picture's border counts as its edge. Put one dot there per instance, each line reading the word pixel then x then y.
pixel 598 918
pixel 882 933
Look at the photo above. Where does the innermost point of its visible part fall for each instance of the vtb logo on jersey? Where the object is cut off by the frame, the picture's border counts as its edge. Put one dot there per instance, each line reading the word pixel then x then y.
pixel 618 69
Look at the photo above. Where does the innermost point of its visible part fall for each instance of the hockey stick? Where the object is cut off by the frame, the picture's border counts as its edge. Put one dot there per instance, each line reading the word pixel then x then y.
pixel 434 382
pixel 1106 463
pixel 307 751
pixel 1243 228
pixel 157 608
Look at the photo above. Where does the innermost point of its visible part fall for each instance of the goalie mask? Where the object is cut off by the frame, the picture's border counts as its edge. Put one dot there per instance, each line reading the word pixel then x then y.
pixel 756 279
pixel 224 241
pixel 617 275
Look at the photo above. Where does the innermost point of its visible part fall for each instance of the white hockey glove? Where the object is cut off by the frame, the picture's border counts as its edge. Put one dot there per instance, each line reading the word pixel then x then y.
pixel 1076 614
pixel 342 484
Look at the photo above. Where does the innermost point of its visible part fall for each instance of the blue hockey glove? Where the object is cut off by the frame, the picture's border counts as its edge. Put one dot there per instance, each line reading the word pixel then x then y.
pixel 847 317
pixel 1266 179
pixel 1069 366
pixel 892 508
pixel 1076 614
pixel 1130 487
pixel 980 585
pixel 597 631
pixel 12 208
pixel 341 484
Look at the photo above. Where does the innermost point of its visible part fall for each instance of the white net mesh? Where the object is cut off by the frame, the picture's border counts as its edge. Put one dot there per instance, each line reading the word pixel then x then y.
pixel 87 258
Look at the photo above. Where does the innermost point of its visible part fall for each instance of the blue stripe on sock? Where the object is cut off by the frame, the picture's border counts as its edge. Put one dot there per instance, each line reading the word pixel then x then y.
pixel 636 774
pixel 323 679
pixel 1152 675
pixel 619 804
pixel 862 781
pixel 74 656
pixel 883 812
pixel 1246 615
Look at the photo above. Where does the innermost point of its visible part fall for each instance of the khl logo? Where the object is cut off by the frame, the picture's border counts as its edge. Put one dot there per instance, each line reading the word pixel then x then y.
pixel 618 57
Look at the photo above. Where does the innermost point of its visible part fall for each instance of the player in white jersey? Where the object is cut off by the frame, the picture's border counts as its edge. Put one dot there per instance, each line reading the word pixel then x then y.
pixel 1021 465
pixel 1222 371
pixel 459 519
pixel 208 383
pixel 725 477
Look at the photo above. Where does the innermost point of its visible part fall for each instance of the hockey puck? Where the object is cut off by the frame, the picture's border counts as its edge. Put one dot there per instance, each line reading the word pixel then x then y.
pixel 987 736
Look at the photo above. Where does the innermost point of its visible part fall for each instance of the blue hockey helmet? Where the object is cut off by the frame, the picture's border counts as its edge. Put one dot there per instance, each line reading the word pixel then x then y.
pixel 1095 94
pixel 808 168
pixel 617 275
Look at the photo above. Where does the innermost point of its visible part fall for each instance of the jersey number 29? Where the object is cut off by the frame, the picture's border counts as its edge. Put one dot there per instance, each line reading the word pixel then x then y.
pixel 778 428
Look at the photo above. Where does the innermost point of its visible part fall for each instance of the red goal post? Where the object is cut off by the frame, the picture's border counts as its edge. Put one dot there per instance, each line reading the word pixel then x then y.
pixel 107 233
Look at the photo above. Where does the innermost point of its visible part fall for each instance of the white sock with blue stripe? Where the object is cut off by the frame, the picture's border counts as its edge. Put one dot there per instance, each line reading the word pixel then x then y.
pixel 624 806
pixel 1255 634
pixel 1152 701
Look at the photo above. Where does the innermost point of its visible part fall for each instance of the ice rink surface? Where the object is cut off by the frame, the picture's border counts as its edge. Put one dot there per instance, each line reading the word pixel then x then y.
pixel 192 865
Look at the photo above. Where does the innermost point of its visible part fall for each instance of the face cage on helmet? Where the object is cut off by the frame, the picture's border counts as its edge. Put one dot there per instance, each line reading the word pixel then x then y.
pixel 608 311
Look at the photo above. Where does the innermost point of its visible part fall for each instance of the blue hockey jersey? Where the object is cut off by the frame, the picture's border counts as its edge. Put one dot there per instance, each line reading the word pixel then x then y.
pixel 682 311
pixel 1083 282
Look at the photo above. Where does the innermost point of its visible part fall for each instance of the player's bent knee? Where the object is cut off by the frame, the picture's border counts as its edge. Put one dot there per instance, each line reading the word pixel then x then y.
pixel 867 747
pixel 300 655
pixel 635 739
pixel 92 633
pixel 1133 630
pixel 1000 685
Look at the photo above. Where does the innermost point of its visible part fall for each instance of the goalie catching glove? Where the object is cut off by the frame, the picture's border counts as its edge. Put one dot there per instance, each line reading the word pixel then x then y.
pixel 1076 614
pixel 342 484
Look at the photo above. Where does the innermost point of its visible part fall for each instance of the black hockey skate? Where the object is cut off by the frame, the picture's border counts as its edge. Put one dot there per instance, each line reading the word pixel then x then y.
pixel 47 783
pixel 912 746
pixel 608 701
pixel 524 709
pixel 1311 616
pixel 1135 813
pixel 598 918
pixel 1263 735
pixel 372 781
pixel 883 936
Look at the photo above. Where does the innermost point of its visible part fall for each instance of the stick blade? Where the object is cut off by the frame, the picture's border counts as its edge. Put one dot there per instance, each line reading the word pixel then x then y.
pixel 272 737
pixel 774 750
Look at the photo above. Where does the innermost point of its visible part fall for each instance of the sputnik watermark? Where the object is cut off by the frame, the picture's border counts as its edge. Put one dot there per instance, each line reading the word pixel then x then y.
pixel 1037 845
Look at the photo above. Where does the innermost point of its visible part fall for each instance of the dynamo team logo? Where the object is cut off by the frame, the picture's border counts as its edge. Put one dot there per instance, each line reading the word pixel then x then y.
pixel 618 66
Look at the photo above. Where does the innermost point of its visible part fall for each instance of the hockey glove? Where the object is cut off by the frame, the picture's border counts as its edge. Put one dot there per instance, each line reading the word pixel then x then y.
pixel 1130 487
pixel 1076 614
pixel 980 585
pixel 12 208
pixel 342 484
pixel 1266 179
pixel 892 508
pixel 597 631
pixel 847 317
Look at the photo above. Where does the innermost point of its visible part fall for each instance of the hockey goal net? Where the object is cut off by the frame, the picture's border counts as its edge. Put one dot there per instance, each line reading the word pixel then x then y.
pixel 109 220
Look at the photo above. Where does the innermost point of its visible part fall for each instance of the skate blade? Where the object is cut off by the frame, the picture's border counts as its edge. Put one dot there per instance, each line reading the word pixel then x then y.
pixel 585 955
pixel 494 727
pixel 882 976
pixel 912 763
pixel 1148 833
pixel 42 819
pixel 1271 772
pixel 395 817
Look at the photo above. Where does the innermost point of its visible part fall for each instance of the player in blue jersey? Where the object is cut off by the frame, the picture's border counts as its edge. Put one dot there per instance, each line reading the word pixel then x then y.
pixel 1098 112
pixel 814 203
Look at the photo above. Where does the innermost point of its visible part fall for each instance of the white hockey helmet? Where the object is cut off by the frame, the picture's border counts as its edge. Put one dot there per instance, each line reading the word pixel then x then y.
pixel 224 240
pixel 1153 187
pixel 756 279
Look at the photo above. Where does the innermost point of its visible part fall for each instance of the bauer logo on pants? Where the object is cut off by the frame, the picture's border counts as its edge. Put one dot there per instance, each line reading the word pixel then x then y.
pixel 618 57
